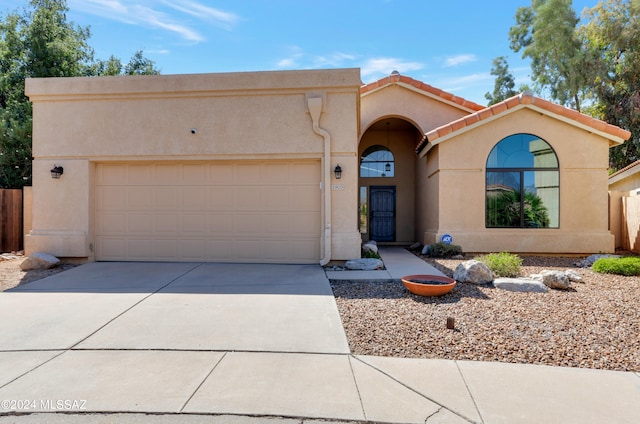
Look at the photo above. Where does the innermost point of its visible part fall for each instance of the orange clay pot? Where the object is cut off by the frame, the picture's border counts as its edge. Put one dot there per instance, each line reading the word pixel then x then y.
pixel 419 284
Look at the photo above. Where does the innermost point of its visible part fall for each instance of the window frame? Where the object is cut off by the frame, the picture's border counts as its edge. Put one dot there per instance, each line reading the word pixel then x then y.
pixel 521 171
pixel 373 149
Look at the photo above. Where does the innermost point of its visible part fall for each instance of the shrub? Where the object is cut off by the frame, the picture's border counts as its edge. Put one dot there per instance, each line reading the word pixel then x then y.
pixel 503 264
pixel 629 265
pixel 443 250
pixel 370 254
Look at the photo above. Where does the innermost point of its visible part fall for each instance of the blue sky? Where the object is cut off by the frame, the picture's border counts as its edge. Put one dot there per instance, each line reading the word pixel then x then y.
pixel 448 44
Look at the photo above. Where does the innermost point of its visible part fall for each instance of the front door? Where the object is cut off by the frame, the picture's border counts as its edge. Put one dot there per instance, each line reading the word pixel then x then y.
pixel 382 206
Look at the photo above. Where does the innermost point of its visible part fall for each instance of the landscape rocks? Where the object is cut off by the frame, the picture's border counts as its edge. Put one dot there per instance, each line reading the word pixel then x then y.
pixel 370 247
pixel 474 272
pixel 415 246
pixel 364 264
pixel 528 285
pixel 553 279
pixel 39 261
pixel 590 260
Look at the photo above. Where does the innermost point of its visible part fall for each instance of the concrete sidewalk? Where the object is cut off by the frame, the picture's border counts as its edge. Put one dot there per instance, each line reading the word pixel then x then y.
pixel 224 343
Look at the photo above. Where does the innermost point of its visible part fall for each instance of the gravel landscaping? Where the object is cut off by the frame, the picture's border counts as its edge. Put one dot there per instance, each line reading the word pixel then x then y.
pixel 595 324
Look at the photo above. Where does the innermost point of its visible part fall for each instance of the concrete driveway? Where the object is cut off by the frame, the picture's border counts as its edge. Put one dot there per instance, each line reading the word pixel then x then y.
pixel 175 306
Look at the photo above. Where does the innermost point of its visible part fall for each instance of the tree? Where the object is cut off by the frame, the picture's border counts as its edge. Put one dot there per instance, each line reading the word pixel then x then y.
pixel 545 32
pixel 40 42
pixel 612 34
pixel 504 84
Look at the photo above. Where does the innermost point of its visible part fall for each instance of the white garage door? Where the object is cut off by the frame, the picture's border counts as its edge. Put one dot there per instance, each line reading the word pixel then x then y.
pixel 244 211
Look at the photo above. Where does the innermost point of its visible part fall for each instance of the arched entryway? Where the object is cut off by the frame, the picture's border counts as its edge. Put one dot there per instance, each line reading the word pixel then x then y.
pixel 387 181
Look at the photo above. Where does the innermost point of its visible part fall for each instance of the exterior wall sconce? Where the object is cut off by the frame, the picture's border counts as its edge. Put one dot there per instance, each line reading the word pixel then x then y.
pixel 57 171
pixel 337 171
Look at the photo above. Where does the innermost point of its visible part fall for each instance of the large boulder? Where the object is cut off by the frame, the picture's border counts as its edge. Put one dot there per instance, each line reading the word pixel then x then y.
pixel 473 272
pixel 370 247
pixel 39 261
pixel 364 264
pixel 520 285
pixel 553 279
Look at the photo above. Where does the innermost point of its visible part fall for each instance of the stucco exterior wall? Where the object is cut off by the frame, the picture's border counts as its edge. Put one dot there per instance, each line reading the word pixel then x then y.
pixel 398 101
pixel 583 189
pixel 79 122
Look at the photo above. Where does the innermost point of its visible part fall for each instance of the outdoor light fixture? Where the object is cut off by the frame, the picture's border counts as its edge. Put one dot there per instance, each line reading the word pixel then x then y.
pixel 387 166
pixel 338 172
pixel 57 171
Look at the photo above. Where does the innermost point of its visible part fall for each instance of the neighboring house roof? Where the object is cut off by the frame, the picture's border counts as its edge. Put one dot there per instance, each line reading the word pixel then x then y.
pixel 625 172
pixel 615 134
pixel 426 89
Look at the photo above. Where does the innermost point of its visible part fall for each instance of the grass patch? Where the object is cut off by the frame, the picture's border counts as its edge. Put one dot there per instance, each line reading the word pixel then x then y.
pixel 628 265
pixel 503 264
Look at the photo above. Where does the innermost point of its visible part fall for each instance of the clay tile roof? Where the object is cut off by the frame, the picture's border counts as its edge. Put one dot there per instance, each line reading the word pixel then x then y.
pixel 395 78
pixel 526 98
pixel 626 168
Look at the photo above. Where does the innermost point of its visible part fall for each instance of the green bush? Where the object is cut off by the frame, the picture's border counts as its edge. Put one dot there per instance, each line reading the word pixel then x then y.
pixel 370 254
pixel 443 250
pixel 629 265
pixel 503 264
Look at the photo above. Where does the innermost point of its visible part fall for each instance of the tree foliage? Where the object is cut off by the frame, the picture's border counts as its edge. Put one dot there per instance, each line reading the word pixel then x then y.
pixel 545 32
pixel 41 42
pixel 504 84
pixel 612 34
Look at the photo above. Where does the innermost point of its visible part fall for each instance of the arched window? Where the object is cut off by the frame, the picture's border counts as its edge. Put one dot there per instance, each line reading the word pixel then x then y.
pixel 377 161
pixel 522 184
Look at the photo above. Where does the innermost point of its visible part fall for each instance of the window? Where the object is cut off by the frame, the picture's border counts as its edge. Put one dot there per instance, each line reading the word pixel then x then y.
pixel 362 211
pixel 377 161
pixel 522 184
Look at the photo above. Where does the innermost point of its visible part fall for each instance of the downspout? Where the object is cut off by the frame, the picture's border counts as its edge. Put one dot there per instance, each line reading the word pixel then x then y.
pixel 315 109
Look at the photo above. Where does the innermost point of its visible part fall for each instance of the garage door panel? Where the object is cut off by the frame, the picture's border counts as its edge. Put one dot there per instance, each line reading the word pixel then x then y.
pixel 251 211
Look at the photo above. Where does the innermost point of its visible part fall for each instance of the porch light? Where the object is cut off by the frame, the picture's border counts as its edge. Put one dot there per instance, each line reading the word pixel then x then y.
pixel 387 167
pixel 337 171
pixel 57 171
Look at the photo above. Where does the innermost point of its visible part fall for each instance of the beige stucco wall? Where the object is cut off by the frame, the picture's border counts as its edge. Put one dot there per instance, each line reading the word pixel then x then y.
pixel 424 112
pixel 624 215
pixel 583 160
pixel 79 122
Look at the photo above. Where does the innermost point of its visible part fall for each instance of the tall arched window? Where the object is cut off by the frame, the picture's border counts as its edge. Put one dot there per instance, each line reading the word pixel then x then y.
pixel 377 161
pixel 522 184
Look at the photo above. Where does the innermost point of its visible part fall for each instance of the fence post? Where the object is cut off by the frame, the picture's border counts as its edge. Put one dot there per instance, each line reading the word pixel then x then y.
pixel 11 237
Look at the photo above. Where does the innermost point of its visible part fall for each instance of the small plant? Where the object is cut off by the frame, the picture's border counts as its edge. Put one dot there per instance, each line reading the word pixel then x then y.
pixel 503 264
pixel 628 265
pixel 370 254
pixel 443 250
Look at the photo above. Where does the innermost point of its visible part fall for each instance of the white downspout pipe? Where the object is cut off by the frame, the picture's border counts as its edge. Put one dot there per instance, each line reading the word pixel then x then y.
pixel 315 109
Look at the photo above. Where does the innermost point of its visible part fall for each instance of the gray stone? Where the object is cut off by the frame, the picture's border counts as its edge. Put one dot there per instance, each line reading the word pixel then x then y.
pixel 573 276
pixel 39 261
pixel 370 247
pixel 415 246
pixel 425 249
pixel 364 264
pixel 555 279
pixel 520 285
pixel 589 261
pixel 473 272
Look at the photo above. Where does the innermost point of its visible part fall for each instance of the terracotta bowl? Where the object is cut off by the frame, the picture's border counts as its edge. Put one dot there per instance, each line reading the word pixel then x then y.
pixel 428 285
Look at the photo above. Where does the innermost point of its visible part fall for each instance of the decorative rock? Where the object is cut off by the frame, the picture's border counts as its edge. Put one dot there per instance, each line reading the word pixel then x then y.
pixel 364 264
pixel 425 249
pixel 473 272
pixel 573 276
pixel 555 279
pixel 589 261
pixel 370 247
pixel 39 261
pixel 415 246
pixel 520 285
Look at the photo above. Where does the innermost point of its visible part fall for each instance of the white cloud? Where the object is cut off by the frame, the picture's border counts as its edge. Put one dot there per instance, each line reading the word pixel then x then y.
pixel 149 13
pixel 378 67
pixel 218 17
pixel 297 58
pixel 459 59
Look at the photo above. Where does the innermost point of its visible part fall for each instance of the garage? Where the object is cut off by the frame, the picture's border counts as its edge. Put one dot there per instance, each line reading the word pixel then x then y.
pixel 264 211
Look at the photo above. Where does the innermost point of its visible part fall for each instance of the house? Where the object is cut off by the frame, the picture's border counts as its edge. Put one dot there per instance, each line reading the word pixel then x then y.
pixel 624 199
pixel 301 166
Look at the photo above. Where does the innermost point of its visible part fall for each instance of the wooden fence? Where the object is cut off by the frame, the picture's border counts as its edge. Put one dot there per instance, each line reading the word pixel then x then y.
pixel 11 232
